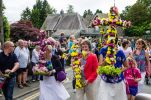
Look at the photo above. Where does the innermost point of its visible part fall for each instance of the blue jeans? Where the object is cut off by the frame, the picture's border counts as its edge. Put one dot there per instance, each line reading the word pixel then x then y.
pixel 8 88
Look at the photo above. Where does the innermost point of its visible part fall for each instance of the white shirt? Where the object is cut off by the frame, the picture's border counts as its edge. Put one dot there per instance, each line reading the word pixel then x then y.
pixel 35 56
pixel 22 56
pixel 127 52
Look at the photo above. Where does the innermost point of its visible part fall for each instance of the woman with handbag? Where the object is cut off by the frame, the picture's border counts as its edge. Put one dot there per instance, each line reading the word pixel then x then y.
pixel 51 87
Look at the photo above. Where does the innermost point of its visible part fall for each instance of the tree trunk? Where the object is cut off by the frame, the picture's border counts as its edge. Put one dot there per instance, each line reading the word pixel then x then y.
pixel 1 24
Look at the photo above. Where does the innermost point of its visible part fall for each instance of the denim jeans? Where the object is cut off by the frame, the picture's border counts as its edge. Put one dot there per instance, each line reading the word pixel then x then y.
pixel 8 88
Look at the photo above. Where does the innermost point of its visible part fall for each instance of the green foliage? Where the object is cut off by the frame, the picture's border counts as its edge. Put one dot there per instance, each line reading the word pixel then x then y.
pixel 38 14
pixel 139 14
pixel 26 14
pixel 87 12
pixel 98 11
pixel 70 9
pixel 125 12
pixel 35 18
pixel 109 70
pixel 6 28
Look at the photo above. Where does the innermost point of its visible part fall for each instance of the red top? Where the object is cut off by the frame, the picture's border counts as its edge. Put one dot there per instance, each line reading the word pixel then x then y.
pixel 130 74
pixel 90 68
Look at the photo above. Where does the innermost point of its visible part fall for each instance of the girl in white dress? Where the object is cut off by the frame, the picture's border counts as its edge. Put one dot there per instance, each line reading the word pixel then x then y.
pixel 50 88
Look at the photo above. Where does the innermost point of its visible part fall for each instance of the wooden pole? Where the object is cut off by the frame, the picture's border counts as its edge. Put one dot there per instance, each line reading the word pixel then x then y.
pixel 1 23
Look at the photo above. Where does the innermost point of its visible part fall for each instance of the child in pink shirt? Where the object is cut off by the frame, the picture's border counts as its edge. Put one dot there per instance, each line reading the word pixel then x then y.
pixel 132 77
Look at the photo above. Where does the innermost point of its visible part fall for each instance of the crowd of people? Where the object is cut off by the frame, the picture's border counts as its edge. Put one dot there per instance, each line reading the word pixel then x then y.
pixel 133 58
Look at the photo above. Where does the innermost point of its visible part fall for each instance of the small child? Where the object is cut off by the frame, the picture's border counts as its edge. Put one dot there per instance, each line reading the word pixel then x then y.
pixel 132 77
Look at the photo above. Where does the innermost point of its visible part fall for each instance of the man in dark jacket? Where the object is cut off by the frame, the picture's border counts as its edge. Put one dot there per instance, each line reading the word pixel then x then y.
pixel 8 65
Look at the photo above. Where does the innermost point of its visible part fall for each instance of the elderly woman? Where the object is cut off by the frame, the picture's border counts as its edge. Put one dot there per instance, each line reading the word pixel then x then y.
pixel 142 60
pixel 35 60
pixel 89 65
pixel 50 87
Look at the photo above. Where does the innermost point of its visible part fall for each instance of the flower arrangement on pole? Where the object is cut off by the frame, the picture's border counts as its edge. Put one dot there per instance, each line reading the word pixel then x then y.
pixel 111 34
pixel 76 66
pixel 43 67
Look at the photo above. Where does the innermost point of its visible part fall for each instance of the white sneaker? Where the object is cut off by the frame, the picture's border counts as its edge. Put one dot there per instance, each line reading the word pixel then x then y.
pixel 74 90
pixel 33 80
pixel 1 95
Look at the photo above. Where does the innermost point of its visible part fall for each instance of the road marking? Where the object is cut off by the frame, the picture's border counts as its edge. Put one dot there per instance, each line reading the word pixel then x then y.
pixel 32 96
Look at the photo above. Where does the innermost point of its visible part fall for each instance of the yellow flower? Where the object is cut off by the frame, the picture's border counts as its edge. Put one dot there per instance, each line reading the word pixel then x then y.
pixel 108 60
pixel 108 52
pixel 76 62
pixel 73 54
pixel 109 30
pixel 84 53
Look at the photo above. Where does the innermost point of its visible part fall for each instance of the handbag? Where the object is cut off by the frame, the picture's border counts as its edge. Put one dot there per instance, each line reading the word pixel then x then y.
pixel 61 76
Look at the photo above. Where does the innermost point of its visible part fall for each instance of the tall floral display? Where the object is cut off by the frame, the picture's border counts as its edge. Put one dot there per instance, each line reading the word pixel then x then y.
pixel 111 34
pixel 76 66
pixel 42 67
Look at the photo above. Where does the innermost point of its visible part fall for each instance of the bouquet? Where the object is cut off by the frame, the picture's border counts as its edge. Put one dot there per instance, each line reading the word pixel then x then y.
pixel 40 70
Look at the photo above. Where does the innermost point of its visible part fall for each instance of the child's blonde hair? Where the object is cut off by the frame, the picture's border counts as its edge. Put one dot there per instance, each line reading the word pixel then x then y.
pixel 131 61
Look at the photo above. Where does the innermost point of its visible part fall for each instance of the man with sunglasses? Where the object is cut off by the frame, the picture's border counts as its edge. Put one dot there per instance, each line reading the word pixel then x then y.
pixel 8 65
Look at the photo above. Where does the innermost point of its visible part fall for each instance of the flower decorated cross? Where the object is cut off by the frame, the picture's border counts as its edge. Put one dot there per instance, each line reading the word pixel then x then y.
pixel 111 34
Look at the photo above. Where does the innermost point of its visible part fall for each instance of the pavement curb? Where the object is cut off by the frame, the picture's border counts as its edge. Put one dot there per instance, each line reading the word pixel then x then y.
pixel 25 93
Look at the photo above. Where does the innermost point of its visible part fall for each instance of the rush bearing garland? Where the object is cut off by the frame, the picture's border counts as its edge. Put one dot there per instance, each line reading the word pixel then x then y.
pixel 76 66
pixel 111 34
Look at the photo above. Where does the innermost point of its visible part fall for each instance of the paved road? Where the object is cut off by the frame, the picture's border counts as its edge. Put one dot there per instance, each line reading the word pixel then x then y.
pixel 68 84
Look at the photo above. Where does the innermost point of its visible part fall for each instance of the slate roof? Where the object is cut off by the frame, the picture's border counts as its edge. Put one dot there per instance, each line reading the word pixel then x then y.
pixel 64 22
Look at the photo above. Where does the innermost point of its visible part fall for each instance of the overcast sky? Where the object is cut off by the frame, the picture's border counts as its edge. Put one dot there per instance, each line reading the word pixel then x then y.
pixel 14 8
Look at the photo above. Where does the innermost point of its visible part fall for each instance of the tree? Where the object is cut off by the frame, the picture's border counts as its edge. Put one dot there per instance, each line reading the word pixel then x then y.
pixel 145 2
pixel 38 14
pixel 23 30
pixel 98 11
pixel 6 29
pixel 125 12
pixel 87 12
pixel 26 14
pixel 70 9
pixel 138 14
pixel 45 10
pixel 1 22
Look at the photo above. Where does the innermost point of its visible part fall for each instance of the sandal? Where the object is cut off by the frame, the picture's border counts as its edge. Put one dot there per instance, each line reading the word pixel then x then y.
pixel 26 85
pixel 20 86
